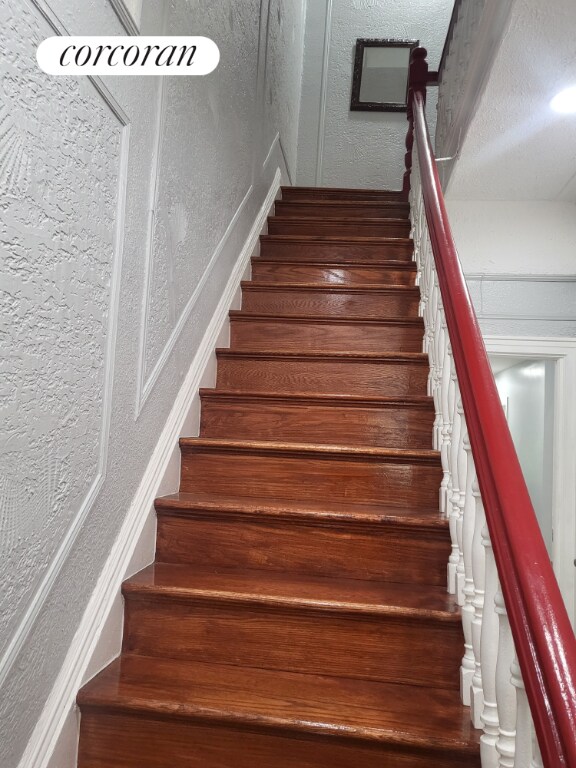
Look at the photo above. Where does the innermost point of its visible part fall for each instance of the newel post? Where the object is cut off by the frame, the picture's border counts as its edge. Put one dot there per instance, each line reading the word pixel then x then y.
pixel 417 79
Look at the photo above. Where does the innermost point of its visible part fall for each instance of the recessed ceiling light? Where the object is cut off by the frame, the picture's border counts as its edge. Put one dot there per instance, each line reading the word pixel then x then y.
pixel 565 101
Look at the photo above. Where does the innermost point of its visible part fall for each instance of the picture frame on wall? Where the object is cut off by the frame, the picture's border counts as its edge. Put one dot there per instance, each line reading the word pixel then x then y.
pixel 380 75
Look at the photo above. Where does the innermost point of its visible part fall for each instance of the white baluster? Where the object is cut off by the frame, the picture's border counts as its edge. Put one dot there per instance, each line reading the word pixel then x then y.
pixel 421 248
pixel 488 657
pixel 452 489
pixel 505 690
pixel 446 396
pixel 431 321
pixel 523 746
pixel 436 369
pixel 479 576
pixel 426 287
pixel 460 501
pixel 468 521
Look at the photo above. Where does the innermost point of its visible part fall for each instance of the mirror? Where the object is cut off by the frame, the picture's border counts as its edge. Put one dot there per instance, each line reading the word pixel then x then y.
pixel 380 81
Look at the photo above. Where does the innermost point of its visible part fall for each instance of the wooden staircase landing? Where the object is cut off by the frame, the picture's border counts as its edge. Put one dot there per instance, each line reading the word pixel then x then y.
pixel 296 615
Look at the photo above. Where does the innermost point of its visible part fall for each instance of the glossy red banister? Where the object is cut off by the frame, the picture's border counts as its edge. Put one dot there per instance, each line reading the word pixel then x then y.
pixel 544 639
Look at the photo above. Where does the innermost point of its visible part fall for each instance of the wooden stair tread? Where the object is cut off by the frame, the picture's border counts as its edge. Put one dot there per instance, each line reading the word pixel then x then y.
pixel 368 453
pixel 341 220
pixel 243 315
pixel 333 511
pixel 373 357
pixel 408 266
pixel 311 239
pixel 362 288
pixel 320 399
pixel 347 203
pixel 350 207
pixel 294 591
pixel 381 209
pixel 342 191
pixel 405 715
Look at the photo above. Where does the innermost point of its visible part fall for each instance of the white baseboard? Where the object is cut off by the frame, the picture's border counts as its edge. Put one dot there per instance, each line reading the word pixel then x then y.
pixel 97 639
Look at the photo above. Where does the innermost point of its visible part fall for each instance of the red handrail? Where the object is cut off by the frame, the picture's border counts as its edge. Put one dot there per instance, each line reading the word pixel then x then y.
pixel 543 636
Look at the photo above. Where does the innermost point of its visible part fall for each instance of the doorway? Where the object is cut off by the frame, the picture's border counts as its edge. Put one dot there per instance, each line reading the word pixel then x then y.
pixel 526 389
pixel 536 377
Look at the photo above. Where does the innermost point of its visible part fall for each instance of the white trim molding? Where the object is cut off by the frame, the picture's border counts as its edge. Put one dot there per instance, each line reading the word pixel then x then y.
pixel 147 383
pixel 99 627
pixel 126 16
pixel 323 93
pixel 563 352
pixel 494 277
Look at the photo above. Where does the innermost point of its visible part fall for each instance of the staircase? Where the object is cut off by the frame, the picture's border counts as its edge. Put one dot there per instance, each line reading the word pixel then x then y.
pixel 296 615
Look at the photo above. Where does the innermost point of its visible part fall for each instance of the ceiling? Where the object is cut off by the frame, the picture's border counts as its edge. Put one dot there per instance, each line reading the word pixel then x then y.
pixel 517 148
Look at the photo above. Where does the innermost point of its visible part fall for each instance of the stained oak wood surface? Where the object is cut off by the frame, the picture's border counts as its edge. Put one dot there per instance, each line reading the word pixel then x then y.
pixel 364 375
pixel 195 714
pixel 253 331
pixel 296 614
pixel 326 193
pixel 377 301
pixel 335 248
pixel 342 209
pixel 345 541
pixel 328 274
pixel 353 226
pixel 292 470
pixel 400 423
pixel 294 622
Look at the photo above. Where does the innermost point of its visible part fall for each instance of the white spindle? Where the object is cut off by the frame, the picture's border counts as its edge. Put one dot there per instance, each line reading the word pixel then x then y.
pixel 460 471
pixel 479 577
pixel 435 368
pixel 446 399
pixel 427 304
pixel 488 656
pixel 505 690
pixel 453 488
pixel 468 521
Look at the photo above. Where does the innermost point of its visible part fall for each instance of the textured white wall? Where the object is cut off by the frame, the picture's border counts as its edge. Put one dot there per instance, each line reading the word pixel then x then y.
pixel 284 81
pixel 358 149
pixel 521 237
pixel 518 258
pixel 124 207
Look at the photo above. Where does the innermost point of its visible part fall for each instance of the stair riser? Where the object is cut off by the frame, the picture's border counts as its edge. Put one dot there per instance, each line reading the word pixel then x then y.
pixel 388 427
pixel 306 336
pixel 352 210
pixel 135 741
pixel 327 193
pixel 322 377
pixel 319 251
pixel 340 228
pixel 405 650
pixel 286 272
pixel 273 476
pixel 373 553
pixel 329 304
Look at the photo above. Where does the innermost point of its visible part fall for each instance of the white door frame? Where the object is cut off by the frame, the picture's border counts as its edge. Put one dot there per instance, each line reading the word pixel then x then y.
pixel 563 352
